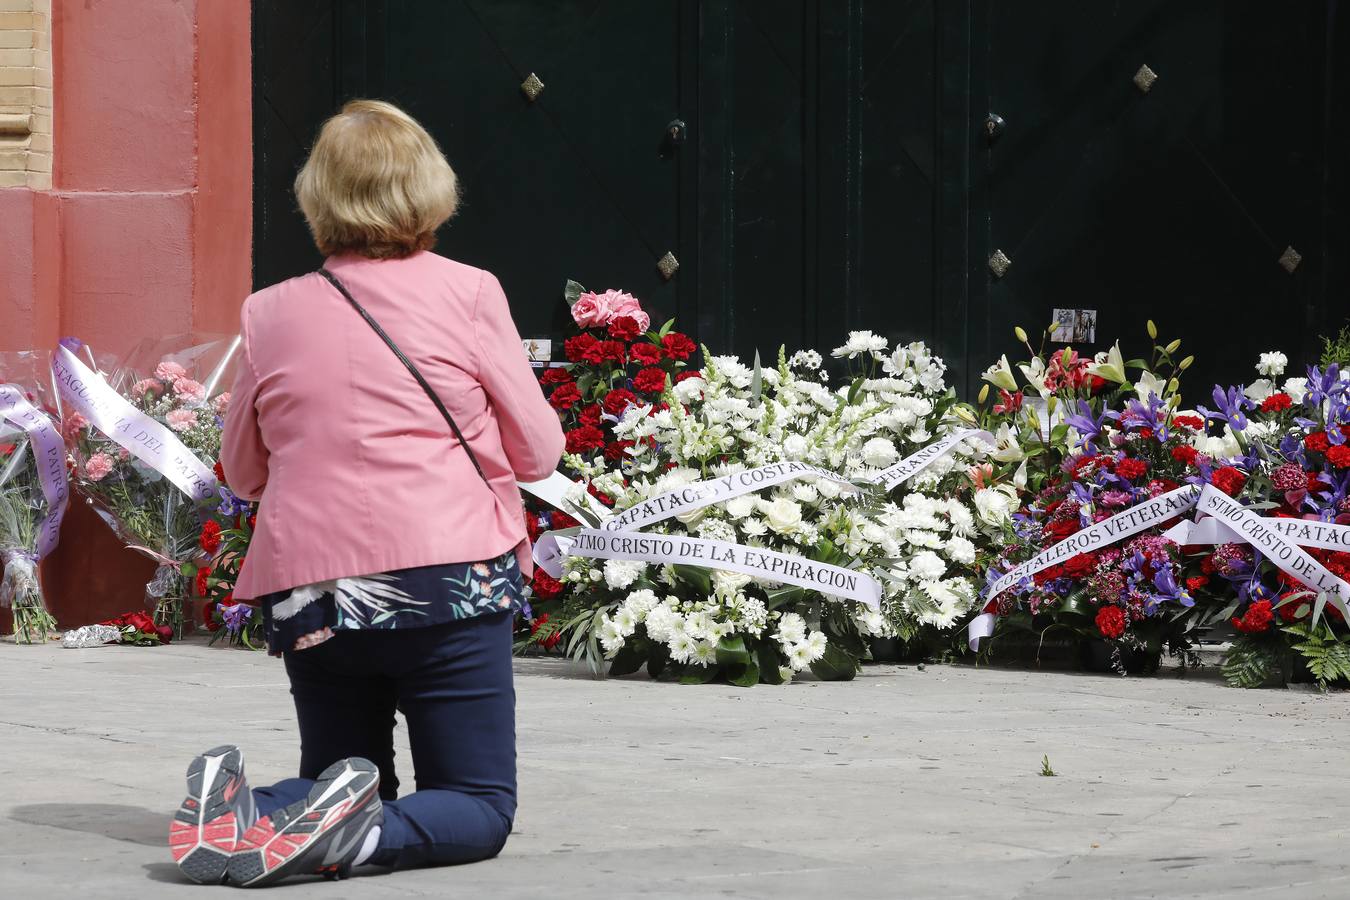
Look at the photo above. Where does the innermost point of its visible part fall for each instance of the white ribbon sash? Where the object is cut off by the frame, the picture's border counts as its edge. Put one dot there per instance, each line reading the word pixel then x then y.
pixel 554 489
pixel 1278 540
pixel 836 581
pixel 699 494
pixel 553 547
pixel 49 454
pixel 1137 518
pixel 921 459
pixel 1304 532
pixel 146 439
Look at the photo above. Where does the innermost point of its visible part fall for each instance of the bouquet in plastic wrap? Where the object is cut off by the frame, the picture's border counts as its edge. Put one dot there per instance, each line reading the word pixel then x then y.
pixel 33 493
pixel 145 439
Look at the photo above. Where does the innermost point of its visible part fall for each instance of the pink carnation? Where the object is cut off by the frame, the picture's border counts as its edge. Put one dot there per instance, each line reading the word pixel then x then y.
pixel 98 466
pixel 189 390
pixel 170 371
pixel 145 385
pixel 592 311
pixel 73 425
pixel 181 419
pixel 221 404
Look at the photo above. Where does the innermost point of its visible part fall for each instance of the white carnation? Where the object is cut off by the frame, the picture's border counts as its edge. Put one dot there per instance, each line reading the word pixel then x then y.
pixel 1272 364
pixel 740 507
pixel 960 550
pixel 620 573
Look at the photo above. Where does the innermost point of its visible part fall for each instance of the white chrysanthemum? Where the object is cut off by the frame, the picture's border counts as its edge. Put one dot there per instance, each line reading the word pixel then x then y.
pixel 861 343
pixel 791 629
pixel 880 453
pixel 1272 364
pixel 610 639
pixel 994 505
pixel 682 647
pixel 815 645
pixel 705 653
pixel 640 603
pixel 960 550
pixel 927 565
pixel 805 493
pixel 753 527
pixel 662 622
pixel 795 446
pixel 625 622
pixel 799 656
pixel 620 573
pixel 805 359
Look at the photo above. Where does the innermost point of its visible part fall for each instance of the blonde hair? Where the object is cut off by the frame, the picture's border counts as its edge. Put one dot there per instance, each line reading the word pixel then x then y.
pixel 375 183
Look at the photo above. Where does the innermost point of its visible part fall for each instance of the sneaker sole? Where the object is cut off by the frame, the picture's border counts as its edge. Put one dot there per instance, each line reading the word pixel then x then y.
pixel 276 847
pixel 204 833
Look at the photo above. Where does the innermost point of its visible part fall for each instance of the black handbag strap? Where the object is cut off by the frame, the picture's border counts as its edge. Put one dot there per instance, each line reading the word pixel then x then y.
pixel 440 407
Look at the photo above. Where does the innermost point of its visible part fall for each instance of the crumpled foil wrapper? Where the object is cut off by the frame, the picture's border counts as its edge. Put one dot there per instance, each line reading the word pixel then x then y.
pixel 91 636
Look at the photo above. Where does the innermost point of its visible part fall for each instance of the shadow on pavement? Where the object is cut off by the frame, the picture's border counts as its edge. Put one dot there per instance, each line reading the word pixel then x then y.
pixel 121 823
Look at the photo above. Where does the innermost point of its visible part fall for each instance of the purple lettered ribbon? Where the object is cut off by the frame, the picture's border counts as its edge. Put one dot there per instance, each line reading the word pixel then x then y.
pixel 49 452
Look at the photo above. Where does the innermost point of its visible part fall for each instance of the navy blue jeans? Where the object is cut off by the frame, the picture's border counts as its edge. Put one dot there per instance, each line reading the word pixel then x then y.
pixel 453 684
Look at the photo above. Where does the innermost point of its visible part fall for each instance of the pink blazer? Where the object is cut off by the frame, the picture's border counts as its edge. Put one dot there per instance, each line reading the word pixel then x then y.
pixel 357 471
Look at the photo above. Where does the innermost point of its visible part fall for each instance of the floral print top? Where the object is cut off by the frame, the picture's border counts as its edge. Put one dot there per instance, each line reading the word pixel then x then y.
pixel 305 616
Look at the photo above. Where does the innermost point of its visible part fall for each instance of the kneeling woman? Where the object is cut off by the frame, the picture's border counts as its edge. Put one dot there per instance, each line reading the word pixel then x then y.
pixel 383 412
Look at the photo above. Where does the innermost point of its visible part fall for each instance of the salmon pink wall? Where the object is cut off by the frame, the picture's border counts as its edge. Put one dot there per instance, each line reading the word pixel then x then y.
pixel 147 228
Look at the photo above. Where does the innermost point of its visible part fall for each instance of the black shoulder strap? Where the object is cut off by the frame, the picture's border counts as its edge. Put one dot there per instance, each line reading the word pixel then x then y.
pixel 440 407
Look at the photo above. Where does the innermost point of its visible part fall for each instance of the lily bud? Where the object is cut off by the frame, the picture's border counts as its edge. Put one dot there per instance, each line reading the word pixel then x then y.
pixel 1172 347
pixel 1050 403
pixel 1020 333
pixel 1172 386
pixel 1185 364
pixel 984 394
pixel 1152 330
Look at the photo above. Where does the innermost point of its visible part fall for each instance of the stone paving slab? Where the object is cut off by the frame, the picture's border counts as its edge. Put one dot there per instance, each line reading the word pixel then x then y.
pixel 905 783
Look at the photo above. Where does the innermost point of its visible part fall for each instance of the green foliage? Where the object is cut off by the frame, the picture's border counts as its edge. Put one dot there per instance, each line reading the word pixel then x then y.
pixel 1251 663
pixel 572 292
pixel 1046 771
pixel 1327 656
pixel 1337 349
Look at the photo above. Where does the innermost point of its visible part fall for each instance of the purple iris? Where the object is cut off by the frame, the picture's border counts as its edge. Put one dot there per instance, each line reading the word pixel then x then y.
pixel 1168 589
pixel 1322 383
pixel 1232 406
pixel 230 505
pixel 1089 427
pixel 73 344
pixel 1146 415
pixel 236 617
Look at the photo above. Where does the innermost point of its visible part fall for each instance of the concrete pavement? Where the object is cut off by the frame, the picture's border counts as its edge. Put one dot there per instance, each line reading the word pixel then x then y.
pixel 905 783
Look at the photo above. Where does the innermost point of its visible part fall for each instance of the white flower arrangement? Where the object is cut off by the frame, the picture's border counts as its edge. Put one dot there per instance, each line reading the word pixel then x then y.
pixel 917 542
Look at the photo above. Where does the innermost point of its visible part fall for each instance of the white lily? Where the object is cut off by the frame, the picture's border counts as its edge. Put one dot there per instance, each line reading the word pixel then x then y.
pixel 1109 365
pixel 1149 385
pixel 1000 374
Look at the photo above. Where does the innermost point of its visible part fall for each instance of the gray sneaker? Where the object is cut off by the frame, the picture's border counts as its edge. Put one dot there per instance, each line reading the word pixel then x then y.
pixel 321 834
pixel 215 814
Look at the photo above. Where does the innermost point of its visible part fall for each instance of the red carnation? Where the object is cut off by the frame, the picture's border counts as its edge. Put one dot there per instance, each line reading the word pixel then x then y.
pixel 1080 566
pixel 564 396
pixel 1185 454
pixel 1196 582
pixel 1111 621
pixel 678 346
pixel 612 351
pixel 202 574
pixel 217 468
pixel 614 450
pixel 651 380
pixel 1339 456
pixel 165 633
pixel 617 400
pixel 585 439
pixel 590 414
pixel 686 375
pixel 1062 529
pixel 576 348
pixel 1194 423
pixel 210 537
pixel 555 375
pixel 1318 441
pixel 1314 482
pixel 624 328
pixel 209 617
pixel 1256 619
pixel 558 520
pixel 545 586
pixel 1276 403
pixel 646 354
pixel 1229 480
pixel 1131 468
